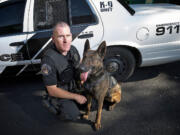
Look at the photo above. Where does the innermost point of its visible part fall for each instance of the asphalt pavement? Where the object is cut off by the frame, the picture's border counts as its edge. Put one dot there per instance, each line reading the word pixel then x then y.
pixel 150 106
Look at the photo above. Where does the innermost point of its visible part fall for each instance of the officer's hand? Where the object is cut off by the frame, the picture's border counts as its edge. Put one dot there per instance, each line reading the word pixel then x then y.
pixel 80 99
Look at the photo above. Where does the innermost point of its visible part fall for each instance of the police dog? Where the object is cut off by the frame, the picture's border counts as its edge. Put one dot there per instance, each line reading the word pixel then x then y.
pixel 98 83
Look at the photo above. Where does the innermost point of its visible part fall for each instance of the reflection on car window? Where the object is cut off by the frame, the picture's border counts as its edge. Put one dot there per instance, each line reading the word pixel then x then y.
pixel 12 18
pixel 81 12
pixel 48 13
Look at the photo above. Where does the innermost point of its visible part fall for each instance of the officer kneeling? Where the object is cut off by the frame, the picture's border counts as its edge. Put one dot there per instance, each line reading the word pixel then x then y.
pixel 58 68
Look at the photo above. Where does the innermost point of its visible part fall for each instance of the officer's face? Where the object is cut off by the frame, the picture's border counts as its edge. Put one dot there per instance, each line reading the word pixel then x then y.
pixel 62 38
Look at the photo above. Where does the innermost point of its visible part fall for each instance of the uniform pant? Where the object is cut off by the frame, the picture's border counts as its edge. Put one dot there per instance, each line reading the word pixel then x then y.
pixel 68 109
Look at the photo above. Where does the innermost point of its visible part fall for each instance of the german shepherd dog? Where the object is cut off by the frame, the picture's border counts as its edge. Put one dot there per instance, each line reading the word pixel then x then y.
pixel 98 83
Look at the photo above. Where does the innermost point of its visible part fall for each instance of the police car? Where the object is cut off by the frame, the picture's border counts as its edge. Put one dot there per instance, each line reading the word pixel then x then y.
pixel 136 35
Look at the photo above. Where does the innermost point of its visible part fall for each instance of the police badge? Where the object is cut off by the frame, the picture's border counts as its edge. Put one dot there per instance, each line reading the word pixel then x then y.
pixel 45 69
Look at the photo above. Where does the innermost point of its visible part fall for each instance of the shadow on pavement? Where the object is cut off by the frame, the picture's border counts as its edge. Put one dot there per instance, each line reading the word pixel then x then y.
pixel 171 69
pixel 150 105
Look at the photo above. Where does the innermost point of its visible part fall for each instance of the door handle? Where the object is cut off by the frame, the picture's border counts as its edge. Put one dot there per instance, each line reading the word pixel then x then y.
pixel 85 36
pixel 17 43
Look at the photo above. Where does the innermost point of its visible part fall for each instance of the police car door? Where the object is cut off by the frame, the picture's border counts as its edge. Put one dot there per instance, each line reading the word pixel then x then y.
pixel 12 35
pixel 85 24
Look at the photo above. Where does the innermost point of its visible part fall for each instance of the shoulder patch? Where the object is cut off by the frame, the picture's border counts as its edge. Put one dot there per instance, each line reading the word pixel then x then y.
pixel 45 69
pixel 76 57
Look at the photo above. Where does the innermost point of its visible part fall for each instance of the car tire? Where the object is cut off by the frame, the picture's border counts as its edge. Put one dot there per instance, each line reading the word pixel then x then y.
pixel 120 62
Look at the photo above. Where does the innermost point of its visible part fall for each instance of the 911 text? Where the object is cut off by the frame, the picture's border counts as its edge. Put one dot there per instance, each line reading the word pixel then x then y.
pixel 170 29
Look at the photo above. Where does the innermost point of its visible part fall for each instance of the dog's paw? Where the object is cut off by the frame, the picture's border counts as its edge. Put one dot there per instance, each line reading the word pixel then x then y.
pixel 111 108
pixel 97 126
pixel 85 116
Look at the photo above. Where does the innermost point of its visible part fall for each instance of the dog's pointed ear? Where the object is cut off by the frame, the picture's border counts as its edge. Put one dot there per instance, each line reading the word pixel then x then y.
pixel 86 46
pixel 102 49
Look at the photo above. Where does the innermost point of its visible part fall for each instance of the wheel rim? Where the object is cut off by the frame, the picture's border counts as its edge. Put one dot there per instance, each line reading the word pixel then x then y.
pixel 115 65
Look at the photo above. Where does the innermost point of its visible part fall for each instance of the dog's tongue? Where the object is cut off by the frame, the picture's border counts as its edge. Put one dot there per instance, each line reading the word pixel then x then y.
pixel 84 76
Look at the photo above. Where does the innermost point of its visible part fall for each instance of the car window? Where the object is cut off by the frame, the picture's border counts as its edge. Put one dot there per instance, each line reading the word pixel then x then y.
pixel 12 18
pixel 81 12
pixel 48 12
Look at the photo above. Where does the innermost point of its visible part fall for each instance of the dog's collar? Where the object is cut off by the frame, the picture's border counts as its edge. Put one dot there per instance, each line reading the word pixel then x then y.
pixel 95 79
pixel 90 83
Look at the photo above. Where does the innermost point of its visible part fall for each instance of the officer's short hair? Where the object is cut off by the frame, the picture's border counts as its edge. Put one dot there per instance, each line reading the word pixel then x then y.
pixel 60 24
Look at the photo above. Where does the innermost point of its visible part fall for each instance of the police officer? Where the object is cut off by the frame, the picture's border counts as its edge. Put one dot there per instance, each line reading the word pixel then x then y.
pixel 58 67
